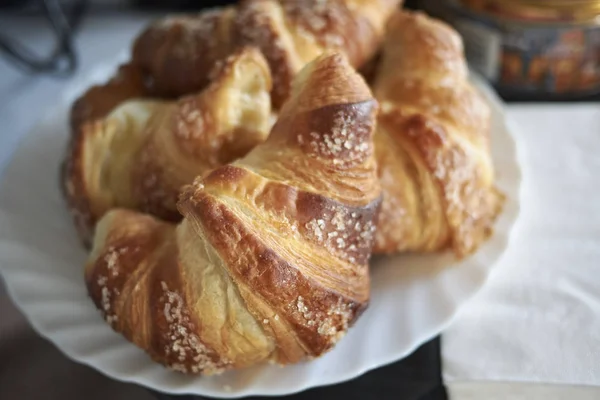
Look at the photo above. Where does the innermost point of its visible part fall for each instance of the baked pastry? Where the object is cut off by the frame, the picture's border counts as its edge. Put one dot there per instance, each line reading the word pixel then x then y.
pixel 142 153
pixel 432 143
pixel 98 101
pixel 178 52
pixel 270 262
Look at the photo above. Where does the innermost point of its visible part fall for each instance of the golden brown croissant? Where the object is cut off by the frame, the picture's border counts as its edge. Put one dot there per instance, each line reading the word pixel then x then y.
pixel 432 143
pixel 271 259
pixel 128 83
pixel 178 52
pixel 144 151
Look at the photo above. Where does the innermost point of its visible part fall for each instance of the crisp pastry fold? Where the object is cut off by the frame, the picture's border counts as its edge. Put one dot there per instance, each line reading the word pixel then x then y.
pixel 432 143
pixel 135 141
pixel 142 153
pixel 270 262
pixel 177 52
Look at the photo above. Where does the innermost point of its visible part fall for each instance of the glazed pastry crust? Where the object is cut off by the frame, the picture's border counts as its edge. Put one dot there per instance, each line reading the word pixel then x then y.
pixel 432 143
pixel 142 153
pixel 135 140
pixel 271 259
pixel 178 52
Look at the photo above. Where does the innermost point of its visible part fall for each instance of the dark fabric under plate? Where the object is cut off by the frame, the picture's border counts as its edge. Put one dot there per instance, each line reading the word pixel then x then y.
pixel 417 377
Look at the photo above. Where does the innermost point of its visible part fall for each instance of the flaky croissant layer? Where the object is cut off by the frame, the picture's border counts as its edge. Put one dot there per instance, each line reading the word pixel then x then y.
pixel 177 52
pixel 142 153
pixel 133 144
pixel 432 143
pixel 271 259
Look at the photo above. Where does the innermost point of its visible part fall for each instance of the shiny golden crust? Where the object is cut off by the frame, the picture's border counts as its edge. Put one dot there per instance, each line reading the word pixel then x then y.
pixel 177 52
pixel 141 258
pixel 175 56
pixel 264 266
pixel 291 33
pixel 141 154
pixel 432 143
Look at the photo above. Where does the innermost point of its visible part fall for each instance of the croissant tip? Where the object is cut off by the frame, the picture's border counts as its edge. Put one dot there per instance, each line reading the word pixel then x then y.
pixel 329 79
pixel 408 20
pixel 333 55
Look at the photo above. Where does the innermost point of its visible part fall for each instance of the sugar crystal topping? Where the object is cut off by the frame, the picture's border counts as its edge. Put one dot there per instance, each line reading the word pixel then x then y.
pixel 331 323
pixel 319 18
pixel 470 204
pixel 343 232
pixel 190 353
pixel 346 142
pixel 112 258
pixel 106 283
pixel 107 296
pixel 259 28
pixel 191 122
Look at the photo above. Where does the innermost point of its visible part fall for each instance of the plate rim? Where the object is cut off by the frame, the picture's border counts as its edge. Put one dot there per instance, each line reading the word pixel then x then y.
pixel 511 212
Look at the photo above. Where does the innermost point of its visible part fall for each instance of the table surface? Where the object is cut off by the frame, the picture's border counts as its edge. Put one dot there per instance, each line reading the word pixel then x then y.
pixel 537 320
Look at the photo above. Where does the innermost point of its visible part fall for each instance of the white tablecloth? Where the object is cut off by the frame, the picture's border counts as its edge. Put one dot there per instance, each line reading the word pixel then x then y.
pixel 537 319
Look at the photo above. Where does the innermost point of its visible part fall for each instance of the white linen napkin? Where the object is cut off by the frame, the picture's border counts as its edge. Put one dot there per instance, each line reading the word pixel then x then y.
pixel 538 317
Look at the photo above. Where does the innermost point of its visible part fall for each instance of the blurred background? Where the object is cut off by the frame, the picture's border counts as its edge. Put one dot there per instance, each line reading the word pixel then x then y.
pixel 540 50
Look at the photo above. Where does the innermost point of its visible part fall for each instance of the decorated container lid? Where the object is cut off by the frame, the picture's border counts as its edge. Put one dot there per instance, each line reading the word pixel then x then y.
pixel 574 11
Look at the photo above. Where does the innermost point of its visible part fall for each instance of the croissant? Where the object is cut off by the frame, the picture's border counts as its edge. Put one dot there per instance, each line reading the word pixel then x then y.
pixel 270 262
pixel 128 83
pixel 432 143
pixel 177 52
pixel 144 151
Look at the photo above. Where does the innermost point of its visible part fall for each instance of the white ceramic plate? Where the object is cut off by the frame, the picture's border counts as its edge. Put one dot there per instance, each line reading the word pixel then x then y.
pixel 413 297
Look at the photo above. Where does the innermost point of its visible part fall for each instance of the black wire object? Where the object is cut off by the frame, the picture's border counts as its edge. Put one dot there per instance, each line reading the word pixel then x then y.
pixel 62 60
